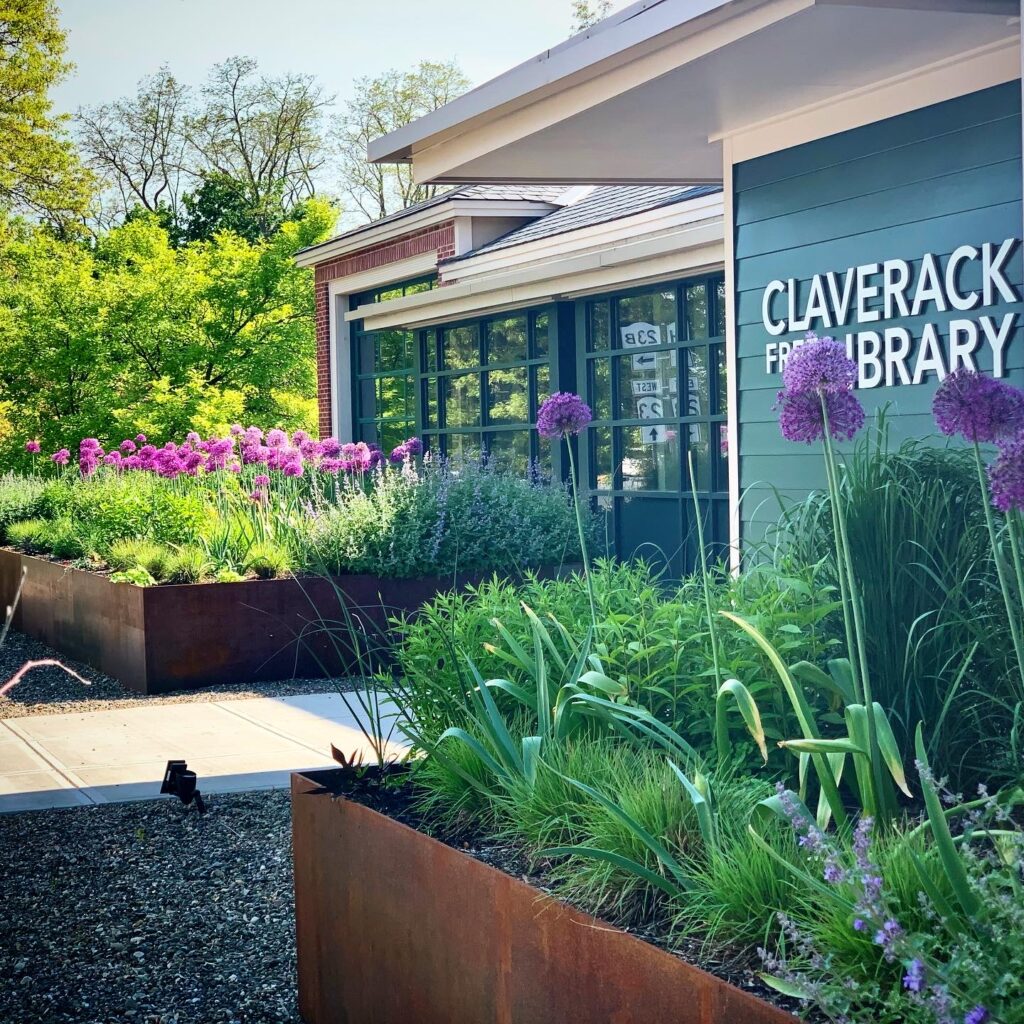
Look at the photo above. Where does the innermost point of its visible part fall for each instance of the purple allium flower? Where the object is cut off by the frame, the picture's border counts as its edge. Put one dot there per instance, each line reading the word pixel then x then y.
pixel 140 438
pixel 261 480
pixel 112 459
pixel 408 449
pixel 276 438
pixel 292 468
pixel 61 457
pixel 193 438
pixel 1006 475
pixel 128 446
pixel 298 437
pixel 330 446
pixel 562 414
pixel 33 447
pixel 802 418
pixel 89 444
pixel 819 366
pixel 978 408
pixel 913 980
pixel 258 497
pixel 331 465
pixel 976 1016
pixel 236 429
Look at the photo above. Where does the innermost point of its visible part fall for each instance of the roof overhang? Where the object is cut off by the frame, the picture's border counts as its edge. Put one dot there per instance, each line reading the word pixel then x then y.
pixel 437 213
pixel 649 94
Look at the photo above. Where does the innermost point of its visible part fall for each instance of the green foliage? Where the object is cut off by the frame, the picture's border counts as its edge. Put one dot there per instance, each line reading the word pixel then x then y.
pixel 268 561
pixel 134 334
pixel 131 553
pixel 28 535
pixel 62 540
pixel 21 497
pixel 459 518
pixel 189 564
pixel 40 173
pixel 137 576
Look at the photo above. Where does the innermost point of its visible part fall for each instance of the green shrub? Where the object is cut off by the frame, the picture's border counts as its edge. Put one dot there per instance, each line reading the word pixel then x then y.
pixel 188 564
pixel 21 497
pixel 28 535
pixel 63 540
pixel 268 561
pixel 138 576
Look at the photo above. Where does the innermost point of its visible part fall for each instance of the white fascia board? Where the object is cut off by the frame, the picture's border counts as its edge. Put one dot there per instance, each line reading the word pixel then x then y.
pixel 583 54
pixel 694 249
pixel 606 234
pixel 344 245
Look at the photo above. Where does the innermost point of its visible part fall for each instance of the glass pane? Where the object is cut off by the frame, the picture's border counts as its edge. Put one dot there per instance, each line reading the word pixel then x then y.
pixel 650 457
pixel 391 434
pixel 721 380
pixel 510 450
pixel 463 446
pixel 394 398
pixel 648 385
pixel 600 388
pixel 461 347
pixel 367 346
pixel 541 382
pixel 698 393
pixel 720 310
pixel 394 350
pixel 648 319
pixel 507 397
pixel 543 463
pixel 599 336
pixel 601 458
pixel 720 458
pixel 387 294
pixel 462 400
pixel 430 407
pixel 419 286
pixel 651 529
pixel 367 432
pixel 431 444
pixel 541 332
pixel 367 403
pixel 430 355
pixel 506 340
pixel 697 310
pixel 699 435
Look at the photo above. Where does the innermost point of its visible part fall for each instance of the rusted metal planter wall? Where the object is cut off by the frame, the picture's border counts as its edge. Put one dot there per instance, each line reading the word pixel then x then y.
pixel 156 639
pixel 394 927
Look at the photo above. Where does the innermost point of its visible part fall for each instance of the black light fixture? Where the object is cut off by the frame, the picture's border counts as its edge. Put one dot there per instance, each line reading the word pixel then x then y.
pixel 180 782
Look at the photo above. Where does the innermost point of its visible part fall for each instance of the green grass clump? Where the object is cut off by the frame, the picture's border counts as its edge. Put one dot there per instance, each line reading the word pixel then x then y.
pixel 268 561
pixel 20 498
pixel 126 555
pixel 63 540
pixel 28 535
pixel 187 565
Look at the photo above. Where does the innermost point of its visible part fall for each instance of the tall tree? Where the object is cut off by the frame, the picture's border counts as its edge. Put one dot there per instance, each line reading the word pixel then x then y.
pixel 381 105
pixel 247 139
pixel 139 145
pixel 40 174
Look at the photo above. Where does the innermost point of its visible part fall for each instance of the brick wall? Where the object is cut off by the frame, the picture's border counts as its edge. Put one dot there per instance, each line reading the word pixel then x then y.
pixel 440 237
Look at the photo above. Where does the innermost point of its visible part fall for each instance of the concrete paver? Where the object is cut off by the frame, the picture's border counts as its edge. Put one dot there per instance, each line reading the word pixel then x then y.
pixel 120 754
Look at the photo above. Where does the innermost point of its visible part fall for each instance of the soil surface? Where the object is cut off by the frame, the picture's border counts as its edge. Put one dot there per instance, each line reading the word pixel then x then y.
pixel 390 796
pixel 49 690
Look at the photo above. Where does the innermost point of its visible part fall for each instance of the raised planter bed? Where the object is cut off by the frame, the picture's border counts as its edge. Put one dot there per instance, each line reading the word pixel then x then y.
pixel 155 639
pixel 393 926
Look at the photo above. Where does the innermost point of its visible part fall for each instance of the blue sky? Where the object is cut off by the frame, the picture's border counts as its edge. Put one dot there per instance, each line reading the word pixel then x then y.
pixel 114 43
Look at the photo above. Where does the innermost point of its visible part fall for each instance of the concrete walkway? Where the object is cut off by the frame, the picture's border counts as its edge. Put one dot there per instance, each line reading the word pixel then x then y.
pixel 233 745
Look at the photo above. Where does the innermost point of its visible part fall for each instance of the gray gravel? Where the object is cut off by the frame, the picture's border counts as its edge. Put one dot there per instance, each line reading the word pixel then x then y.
pixel 50 691
pixel 148 913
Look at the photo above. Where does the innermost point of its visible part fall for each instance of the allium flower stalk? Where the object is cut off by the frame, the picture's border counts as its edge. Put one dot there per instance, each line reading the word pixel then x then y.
pixel 983 410
pixel 33 447
pixel 561 415
pixel 817 403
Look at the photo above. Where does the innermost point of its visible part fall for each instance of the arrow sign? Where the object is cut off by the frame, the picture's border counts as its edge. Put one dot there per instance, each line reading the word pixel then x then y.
pixel 657 434
pixel 642 362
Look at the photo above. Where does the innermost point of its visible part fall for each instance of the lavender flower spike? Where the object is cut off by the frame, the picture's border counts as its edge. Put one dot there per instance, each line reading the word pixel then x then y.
pixel 976 1016
pixel 562 414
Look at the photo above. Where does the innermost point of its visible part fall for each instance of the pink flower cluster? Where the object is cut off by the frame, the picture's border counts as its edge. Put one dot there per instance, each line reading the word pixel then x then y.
pixel 244 446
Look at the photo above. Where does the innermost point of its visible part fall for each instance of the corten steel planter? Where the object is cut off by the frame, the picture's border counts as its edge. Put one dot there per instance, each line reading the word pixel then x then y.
pixel 394 927
pixel 155 639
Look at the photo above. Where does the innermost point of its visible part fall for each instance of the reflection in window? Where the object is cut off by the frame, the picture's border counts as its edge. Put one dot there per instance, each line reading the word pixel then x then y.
pixel 510 450
pixel 460 347
pixel 506 340
pixel 648 319
pixel 696 311
pixel 462 400
pixel 507 396
pixel 650 457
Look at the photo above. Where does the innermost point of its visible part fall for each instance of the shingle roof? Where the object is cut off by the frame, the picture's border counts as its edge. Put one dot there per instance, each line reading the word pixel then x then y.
pixel 507 193
pixel 604 203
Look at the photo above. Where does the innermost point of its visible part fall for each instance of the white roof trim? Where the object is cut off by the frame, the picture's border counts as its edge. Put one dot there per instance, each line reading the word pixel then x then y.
pixel 691 249
pixel 373 235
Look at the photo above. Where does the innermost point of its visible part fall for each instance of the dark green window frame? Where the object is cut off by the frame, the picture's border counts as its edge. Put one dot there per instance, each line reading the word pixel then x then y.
pixel 644 488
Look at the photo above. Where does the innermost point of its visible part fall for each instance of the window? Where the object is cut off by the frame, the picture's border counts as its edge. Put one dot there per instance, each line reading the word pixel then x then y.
pixel 654 374
pixel 481 385
pixel 385 367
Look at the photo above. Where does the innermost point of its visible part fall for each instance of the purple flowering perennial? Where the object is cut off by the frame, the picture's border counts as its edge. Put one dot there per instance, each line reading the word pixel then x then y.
pixel 819 366
pixel 978 408
pixel 1006 475
pixel 914 979
pixel 562 414
pixel 803 419
pixel 978 1015
pixel 33 447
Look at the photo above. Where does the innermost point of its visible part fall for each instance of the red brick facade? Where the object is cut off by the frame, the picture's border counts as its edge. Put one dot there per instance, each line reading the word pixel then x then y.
pixel 439 238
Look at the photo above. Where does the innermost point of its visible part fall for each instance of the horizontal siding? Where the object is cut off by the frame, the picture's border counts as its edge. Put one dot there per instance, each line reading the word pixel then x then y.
pixel 924 182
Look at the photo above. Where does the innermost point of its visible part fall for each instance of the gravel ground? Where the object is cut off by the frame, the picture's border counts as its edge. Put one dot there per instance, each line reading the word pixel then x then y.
pixel 149 913
pixel 50 691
